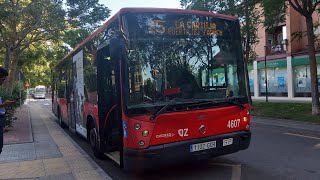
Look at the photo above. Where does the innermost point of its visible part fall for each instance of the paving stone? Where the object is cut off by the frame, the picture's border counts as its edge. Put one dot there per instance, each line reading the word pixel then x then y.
pixel 8 170
pixel 47 154
pixel 42 138
pixel 67 176
pixel 85 175
pixel 56 166
pixel 25 178
pixel 80 164
pixel 31 169
pixel 52 155
pixel 40 131
pixel 18 152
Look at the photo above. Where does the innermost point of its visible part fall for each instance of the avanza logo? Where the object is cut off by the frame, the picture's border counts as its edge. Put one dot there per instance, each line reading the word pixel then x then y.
pixel 165 135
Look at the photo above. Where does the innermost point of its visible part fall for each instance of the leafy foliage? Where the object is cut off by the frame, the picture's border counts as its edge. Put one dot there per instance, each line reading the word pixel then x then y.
pixel 23 24
pixel 84 16
pixel 274 12
pixel 15 94
pixel 221 6
pixel 37 60
pixel 34 35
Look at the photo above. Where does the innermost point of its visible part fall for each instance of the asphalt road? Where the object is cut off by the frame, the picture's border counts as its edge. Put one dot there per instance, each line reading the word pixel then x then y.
pixel 274 153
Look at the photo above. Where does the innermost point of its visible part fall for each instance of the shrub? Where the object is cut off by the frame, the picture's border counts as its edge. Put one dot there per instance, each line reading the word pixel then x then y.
pixel 15 94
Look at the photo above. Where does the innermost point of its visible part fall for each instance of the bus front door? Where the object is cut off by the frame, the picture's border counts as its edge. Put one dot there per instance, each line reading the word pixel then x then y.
pixel 109 103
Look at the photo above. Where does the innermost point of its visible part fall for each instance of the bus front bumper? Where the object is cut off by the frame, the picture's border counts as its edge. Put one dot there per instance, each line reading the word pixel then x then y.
pixel 179 152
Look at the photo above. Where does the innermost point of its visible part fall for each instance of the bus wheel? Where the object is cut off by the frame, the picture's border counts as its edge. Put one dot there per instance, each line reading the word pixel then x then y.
pixel 93 139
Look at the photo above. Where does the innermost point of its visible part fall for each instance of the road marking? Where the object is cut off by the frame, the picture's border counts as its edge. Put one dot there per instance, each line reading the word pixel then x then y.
pixel 236 169
pixel 300 135
pixel 236 172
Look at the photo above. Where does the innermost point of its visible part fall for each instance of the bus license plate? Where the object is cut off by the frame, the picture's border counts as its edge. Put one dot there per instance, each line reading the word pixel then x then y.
pixel 227 142
pixel 203 146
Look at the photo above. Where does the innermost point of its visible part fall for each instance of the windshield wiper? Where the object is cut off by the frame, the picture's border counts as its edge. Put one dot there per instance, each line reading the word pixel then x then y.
pixel 160 111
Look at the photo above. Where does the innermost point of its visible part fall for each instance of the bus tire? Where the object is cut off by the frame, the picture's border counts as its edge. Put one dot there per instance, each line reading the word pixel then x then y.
pixel 93 140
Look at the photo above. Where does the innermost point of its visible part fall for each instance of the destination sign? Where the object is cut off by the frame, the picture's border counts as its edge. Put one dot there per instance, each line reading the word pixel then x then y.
pixel 193 28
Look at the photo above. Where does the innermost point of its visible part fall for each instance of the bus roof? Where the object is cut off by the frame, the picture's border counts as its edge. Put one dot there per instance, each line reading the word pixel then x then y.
pixel 185 11
pixel 156 10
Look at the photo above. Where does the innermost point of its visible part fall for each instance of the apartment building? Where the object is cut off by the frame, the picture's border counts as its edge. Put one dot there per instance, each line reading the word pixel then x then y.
pixel 287 62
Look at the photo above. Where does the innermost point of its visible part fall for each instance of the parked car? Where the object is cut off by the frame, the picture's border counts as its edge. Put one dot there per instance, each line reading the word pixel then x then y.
pixel 31 91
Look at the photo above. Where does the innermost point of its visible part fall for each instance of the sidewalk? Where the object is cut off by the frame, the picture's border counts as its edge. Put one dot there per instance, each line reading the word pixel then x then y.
pixel 51 153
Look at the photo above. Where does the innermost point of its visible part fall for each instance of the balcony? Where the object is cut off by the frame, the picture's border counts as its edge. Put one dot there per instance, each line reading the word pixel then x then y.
pixel 280 48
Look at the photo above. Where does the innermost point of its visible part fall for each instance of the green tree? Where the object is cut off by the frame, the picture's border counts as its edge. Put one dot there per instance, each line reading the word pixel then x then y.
pixel 23 23
pixel 306 8
pixel 84 16
pixel 36 61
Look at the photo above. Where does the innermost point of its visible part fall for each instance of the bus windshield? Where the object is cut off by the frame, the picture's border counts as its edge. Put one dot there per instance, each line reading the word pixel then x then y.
pixel 40 90
pixel 186 57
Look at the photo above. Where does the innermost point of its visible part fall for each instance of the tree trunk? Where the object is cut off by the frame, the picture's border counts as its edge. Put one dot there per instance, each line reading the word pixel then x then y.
pixel 313 67
pixel 13 70
pixel 7 60
pixel 7 65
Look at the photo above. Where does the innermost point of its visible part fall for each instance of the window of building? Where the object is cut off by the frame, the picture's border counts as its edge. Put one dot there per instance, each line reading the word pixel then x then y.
pixel 302 80
pixel 276 79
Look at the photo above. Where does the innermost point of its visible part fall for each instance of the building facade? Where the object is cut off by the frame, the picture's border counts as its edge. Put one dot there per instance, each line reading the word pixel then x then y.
pixel 283 60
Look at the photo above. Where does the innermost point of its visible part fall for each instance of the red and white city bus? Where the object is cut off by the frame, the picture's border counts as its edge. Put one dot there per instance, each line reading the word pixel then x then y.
pixel 156 86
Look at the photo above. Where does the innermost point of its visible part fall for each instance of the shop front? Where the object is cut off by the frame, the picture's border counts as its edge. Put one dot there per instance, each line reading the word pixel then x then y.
pixel 301 76
pixel 276 78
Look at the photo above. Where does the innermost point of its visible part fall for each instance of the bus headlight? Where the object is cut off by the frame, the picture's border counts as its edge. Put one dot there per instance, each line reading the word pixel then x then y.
pixel 137 126
pixel 145 133
pixel 245 119
pixel 141 143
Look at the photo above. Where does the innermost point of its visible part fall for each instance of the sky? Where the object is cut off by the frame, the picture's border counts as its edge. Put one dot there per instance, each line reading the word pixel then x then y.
pixel 116 5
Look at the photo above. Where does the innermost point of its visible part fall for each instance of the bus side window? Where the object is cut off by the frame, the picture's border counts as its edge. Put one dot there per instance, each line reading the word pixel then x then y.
pixel 62 85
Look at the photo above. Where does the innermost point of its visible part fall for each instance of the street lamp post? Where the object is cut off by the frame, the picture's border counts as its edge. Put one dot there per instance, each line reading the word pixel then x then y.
pixel 265 71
